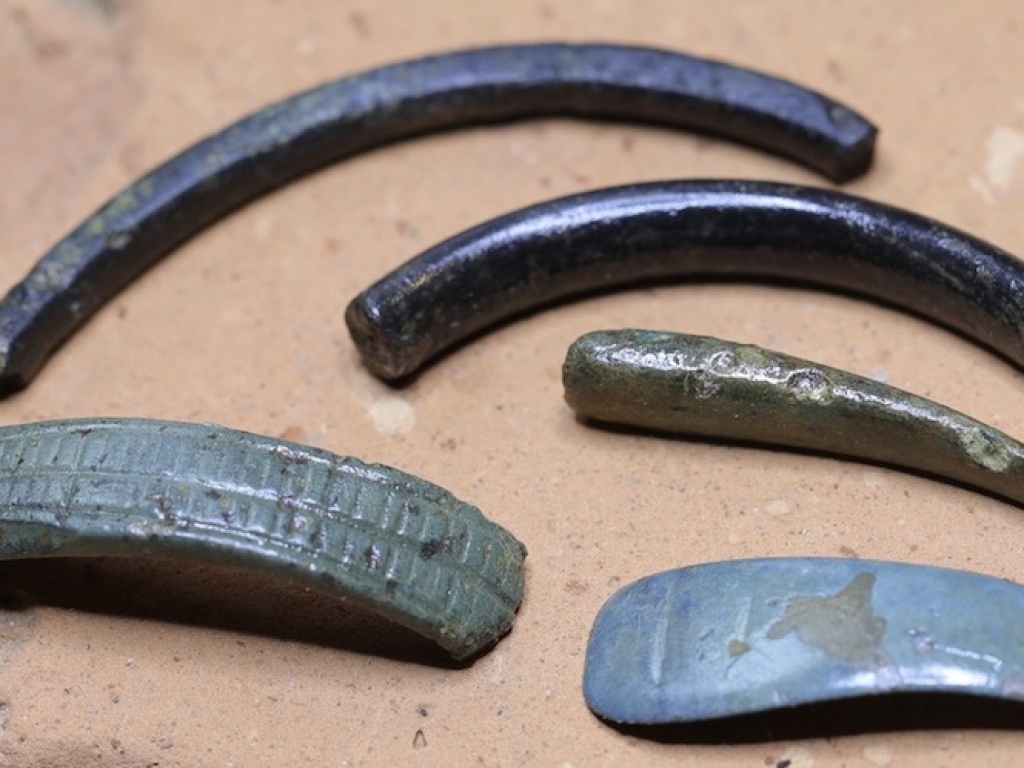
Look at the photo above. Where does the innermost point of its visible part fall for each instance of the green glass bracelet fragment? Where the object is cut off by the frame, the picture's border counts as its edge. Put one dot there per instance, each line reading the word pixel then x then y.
pixel 707 387
pixel 397 545
pixel 747 636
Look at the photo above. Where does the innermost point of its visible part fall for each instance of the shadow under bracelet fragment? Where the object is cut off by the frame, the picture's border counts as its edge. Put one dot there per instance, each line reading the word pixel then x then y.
pixel 390 542
pixel 697 385
pixel 296 136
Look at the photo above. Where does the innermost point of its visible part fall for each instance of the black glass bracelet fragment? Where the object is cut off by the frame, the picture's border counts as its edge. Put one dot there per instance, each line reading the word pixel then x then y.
pixel 635 234
pixel 307 131
pixel 392 543
pixel 734 638
pixel 697 385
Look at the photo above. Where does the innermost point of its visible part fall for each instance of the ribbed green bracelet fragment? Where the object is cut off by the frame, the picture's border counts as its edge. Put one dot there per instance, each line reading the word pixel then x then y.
pixel 397 545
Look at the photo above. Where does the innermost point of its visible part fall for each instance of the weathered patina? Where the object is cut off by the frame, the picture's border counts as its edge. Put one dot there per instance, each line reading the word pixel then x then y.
pixel 734 638
pixel 391 542
pixel 702 386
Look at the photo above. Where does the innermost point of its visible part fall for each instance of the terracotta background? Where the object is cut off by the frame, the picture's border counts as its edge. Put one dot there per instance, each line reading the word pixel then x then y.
pixel 125 663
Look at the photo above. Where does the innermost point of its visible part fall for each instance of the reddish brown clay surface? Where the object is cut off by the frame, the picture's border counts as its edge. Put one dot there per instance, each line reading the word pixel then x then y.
pixel 126 663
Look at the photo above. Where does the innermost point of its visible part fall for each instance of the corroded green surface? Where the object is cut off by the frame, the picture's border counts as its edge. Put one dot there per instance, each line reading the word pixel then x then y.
pixel 703 386
pixel 399 545
pixel 746 636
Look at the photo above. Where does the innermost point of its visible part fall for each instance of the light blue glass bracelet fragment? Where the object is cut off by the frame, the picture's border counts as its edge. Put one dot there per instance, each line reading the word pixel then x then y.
pixel 748 636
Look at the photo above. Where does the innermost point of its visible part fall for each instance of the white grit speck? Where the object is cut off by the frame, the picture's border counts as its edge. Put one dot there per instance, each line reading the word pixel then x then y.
pixel 874 479
pixel 984 190
pixel 798 757
pixel 263 226
pixel 877 754
pixel 1005 148
pixel 392 416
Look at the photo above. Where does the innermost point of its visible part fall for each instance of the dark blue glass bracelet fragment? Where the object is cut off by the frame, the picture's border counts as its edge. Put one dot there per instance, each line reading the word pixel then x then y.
pixel 743 637
pixel 304 132
pixel 676 230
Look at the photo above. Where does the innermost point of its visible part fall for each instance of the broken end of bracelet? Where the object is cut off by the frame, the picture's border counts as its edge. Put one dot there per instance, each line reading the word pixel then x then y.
pixel 856 161
pixel 11 384
pixel 465 636
pixel 13 377
pixel 28 337
pixel 386 354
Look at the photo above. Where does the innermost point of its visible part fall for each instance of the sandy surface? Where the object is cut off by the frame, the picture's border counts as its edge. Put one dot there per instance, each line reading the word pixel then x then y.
pixel 135 663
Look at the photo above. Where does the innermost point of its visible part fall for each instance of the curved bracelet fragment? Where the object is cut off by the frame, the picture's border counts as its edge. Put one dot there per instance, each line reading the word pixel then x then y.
pixel 734 638
pixel 397 545
pixel 628 235
pixel 703 386
pixel 309 130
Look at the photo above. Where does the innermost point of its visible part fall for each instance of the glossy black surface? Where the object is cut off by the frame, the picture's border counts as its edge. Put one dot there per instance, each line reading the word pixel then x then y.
pixel 686 229
pixel 295 136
